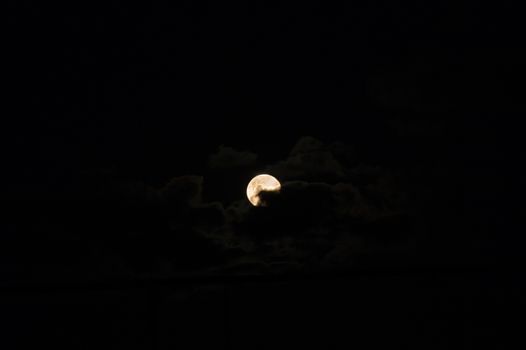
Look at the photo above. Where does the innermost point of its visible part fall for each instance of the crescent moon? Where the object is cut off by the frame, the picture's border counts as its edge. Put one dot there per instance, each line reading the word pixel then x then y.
pixel 263 182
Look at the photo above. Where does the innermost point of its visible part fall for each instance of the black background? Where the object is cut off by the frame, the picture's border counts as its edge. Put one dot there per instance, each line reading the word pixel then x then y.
pixel 427 90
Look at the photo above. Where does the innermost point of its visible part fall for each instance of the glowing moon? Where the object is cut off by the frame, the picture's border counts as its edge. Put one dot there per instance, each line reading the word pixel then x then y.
pixel 263 182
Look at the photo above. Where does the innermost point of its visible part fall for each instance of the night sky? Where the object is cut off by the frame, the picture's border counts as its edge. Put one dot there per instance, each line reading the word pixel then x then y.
pixel 132 132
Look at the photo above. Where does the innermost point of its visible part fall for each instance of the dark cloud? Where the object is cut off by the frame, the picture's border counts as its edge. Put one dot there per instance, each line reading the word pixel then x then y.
pixel 237 211
pixel 345 154
pixel 309 160
pixel 228 172
pixel 306 144
pixel 302 202
pixel 348 250
pixel 331 209
pixel 185 190
pixel 228 157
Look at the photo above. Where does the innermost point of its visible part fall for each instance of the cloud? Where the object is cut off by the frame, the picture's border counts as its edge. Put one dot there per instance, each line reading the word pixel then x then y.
pixel 207 217
pixel 306 144
pixel 331 206
pixel 183 190
pixel 299 209
pixel 345 154
pixel 237 211
pixel 228 157
pixel 309 160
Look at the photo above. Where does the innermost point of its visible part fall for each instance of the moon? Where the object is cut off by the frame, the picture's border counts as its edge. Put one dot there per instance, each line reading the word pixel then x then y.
pixel 263 182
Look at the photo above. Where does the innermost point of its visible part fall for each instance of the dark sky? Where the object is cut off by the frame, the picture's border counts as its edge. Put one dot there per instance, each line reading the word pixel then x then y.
pixel 132 131
pixel 134 96
pixel 151 92
pixel 154 90
pixel 135 85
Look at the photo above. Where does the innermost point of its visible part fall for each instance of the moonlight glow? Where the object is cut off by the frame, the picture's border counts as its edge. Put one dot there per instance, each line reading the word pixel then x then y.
pixel 260 183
